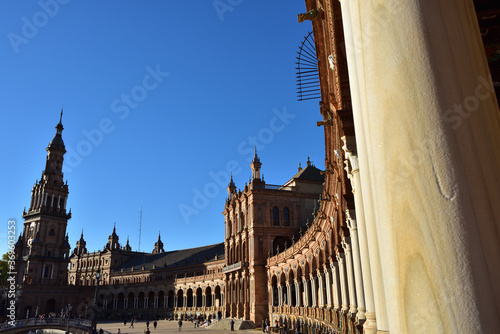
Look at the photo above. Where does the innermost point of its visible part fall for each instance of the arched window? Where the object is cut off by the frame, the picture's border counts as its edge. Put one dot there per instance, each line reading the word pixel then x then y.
pixel 276 216
pixel 286 217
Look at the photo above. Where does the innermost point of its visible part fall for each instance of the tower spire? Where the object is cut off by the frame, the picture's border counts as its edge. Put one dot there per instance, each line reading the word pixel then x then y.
pixel 60 118
pixel 255 165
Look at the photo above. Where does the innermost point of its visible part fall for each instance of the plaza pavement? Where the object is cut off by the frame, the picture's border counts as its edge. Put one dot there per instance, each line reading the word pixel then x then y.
pixel 165 326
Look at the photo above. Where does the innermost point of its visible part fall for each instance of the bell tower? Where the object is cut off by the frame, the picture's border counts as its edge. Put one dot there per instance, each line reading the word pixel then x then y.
pixel 43 248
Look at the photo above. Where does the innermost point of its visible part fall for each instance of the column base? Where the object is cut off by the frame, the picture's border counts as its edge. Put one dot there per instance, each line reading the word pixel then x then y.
pixel 370 324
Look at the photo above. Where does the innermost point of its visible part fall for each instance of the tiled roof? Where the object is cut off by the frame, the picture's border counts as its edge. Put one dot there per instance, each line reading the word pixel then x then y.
pixel 178 258
pixel 309 173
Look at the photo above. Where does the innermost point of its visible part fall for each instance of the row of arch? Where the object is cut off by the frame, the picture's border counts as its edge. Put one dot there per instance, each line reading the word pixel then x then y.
pixel 191 297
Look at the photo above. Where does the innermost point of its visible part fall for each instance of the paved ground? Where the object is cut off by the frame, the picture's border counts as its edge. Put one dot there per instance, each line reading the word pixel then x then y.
pixel 164 326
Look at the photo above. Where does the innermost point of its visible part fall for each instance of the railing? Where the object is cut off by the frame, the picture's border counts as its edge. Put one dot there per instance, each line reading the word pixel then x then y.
pixel 278 187
pixel 47 322
pixel 327 317
pixel 199 278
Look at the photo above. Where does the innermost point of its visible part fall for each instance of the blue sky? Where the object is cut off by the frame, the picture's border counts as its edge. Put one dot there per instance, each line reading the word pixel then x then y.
pixel 162 100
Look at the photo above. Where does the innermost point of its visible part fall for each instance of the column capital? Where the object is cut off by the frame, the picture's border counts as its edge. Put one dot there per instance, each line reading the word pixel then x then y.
pixel 346 244
pixel 351 222
pixel 340 259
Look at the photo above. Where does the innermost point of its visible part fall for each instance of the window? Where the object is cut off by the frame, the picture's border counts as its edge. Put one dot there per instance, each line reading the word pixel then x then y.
pixel 286 217
pixel 46 272
pixel 276 216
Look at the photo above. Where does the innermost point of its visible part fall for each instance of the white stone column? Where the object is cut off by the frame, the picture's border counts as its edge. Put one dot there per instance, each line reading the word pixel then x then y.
pixel 370 325
pixel 358 278
pixel 335 287
pixel 328 283
pixel 298 294
pixel 351 287
pixel 343 288
pixel 321 289
pixel 288 294
pixel 306 292
pixel 280 296
pixel 155 302
pixel 314 290
pixel 429 163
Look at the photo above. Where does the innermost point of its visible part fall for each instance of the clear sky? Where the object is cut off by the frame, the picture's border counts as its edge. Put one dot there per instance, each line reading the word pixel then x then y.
pixel 162 100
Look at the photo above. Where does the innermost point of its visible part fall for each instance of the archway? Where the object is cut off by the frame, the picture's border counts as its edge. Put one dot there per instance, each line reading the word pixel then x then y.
pixel 50 306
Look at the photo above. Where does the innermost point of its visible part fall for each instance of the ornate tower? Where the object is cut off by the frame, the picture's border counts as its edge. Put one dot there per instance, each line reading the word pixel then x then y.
pixel 80 248
pixel 158 246
pixel 43 248
pixel 255 165
pixel 113 240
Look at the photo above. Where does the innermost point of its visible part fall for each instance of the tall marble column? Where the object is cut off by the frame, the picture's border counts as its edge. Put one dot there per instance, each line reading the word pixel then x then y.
pixel 306 293
pixel 343 283
pixel 328 283
pixel 335 287
pixel 314 290
pixel 298 294
pixel 427 129
pixel 321 289
pixel 353 307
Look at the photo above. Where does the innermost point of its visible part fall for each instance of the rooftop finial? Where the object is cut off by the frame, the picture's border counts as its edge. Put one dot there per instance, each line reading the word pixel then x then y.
pixel 60 118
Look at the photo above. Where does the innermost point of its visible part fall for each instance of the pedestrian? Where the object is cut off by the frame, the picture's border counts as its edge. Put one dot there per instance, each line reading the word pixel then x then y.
pixel 268 329
pixel 131 323
pixel 284 327
pixel 297 327
pixel 147 324
pixel 155 324
pixel 179 325
pixel 124 321
pixel 119 332
pixel 232 325
pixel 263 325
pixel 101 331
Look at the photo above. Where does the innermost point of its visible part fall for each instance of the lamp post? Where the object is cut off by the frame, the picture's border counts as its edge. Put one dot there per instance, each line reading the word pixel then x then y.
pixel 97 279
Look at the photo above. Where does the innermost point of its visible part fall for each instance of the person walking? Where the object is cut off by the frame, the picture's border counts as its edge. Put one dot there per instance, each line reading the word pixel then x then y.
pixel 155 324
pixel 131 323
pixel 179 325
pixel 297 327
pixel 119 331
pixel 232 325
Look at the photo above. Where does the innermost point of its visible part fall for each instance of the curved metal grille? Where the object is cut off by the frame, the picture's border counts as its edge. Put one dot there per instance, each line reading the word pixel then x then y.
pixel 307 70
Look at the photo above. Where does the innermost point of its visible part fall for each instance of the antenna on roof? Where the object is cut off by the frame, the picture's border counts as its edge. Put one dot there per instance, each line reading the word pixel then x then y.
pixel 140 228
